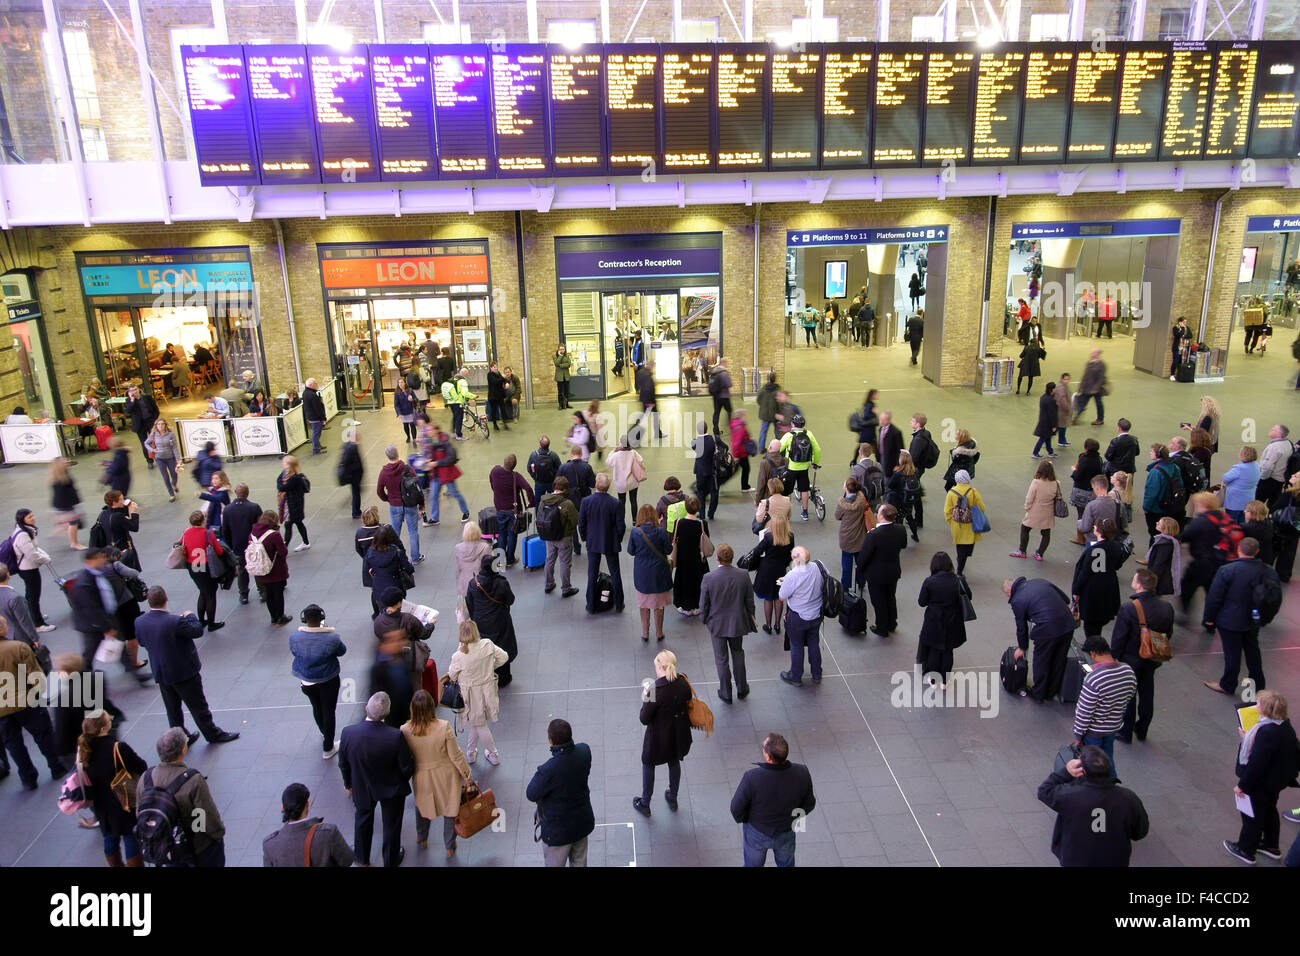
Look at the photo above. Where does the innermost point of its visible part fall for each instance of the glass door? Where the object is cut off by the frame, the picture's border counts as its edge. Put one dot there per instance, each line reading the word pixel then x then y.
pixel 39 395
pixel 583 341
pixel 119 345
pixel 355 350
pixel 618 345
pixel 662 332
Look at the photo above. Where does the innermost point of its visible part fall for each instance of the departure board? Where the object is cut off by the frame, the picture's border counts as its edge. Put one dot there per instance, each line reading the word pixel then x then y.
pixel 1141 103
pixel 1231 92
pixel 846 104
pixel 1045 118
pixel 1275 119
pixel 742 81
pixel 900 85
pixel 949 76
pixel 577 94
pixel 631 103
pixel 403 112
pixel 1187 101
pixel 283 114
pixel 220 115
pixel 462 106
pixel 688 81
pixel 519 93
pixel 995 128
pixel 796 105
pixel 345 114
pixel 1092 104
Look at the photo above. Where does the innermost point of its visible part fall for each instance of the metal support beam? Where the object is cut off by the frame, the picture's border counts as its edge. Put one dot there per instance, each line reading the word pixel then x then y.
pixel 1138 15
pixel 1257 11
pixel 219 20
pixel 604 21
pixel 379 21
pixel 1078 11
pixel 300 15
pixel 747 15
pixel 882 22
pixel 1196 22
pixel 455 20
pixel 531 7
pixel 71 128
pixel 677 21
pixel 150 108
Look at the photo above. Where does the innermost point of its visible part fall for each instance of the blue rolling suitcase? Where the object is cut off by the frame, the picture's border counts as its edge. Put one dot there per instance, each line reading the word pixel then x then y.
pixel 534 552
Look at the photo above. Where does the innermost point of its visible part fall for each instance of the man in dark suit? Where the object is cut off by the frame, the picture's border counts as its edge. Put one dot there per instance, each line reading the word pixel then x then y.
pixel 377 765
pixel 879 566
pixel 1039 602
pixel 1126 642
pixel 237 520
pixel 143 412
pixel 915 332
pixel 705 447
pixel 95 598
pixel 727 610
pixel 1230 607
pixel 582 479
pixel 921 441
pixel 601 525
pixel 313 409
pixel 889 444
pixel 1077 793
pixel 175 659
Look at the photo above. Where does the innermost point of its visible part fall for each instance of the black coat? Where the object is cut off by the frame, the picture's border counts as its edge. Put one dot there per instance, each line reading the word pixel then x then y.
pixel 313 406
pixel 601 523
pixel 101 768
pixel 488 599
pixel 581 478
pixel 350 467
pixel 143 412
pixel 375 761
pixel 380 569
pixel 915 330
pixel 1085 469
pixel 870 421
pixel 1048 415
pixel 769 795
pixel 1126 637
pixel 944 624
pixel 237 520
pixel 1160 562
pixel 1040 603
pixel 1121 454
pixel 118 473
pixel 645 386
pixel 890 446
pixel 560 790
pixel 879 557
pixel 1098 590
pixel 88 612
pixel 1075 839
pixel 295 488
pixel 1273 764
pixel 1029 361
pixel 495 386
pixel 667 727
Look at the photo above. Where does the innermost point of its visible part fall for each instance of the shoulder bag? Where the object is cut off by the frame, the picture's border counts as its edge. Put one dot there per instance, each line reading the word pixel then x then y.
pixel 698 712
pixel 306 847
pixel 123 785
pixel 1059 507
pixel 967 605
pixel 670 561
pixel 1154 645
pixel 176 557
pixel 477 810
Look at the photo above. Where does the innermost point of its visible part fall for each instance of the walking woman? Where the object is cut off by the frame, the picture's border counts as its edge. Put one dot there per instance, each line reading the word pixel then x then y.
pixel 468 555
pixel 1087 467
pixel 404 407
pixel 742 446
pixel 849 511
pixel 473 667
pixel 963 457
pixel 667 737
pixel 128 611
pixel 106 761
pixel 1040 510
pixel 563 363
pixel 903 491
pixel 1048 415
pixel 65 501
pixel 217 496
pixel 592 417
pixel 958 510
pixel 293 484
pixel 487 602
pixel 652 577
pixel 1096 579
pixel 267 530
pixel 693 549
pixel 196 540
pixel 628 471
pixel 1064 409
pixel 770 558
pixel 915 291
pixel 30 557
pixel 161 443
pixel 383 565
pixel 440 770
pixel 943 629
pixel 1031 365
pixel 316 650
pixel 117 471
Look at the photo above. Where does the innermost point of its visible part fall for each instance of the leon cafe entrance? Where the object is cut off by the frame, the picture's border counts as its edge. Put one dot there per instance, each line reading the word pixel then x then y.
pixel 381 296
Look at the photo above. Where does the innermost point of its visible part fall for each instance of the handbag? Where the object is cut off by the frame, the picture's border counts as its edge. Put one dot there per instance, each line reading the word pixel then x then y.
pixel 451 697
pixel 706 546
pixel 751 447
pixel 136 586
pixel 756 526
pixel 638 470
pixel 1067 753
pixel 697 712
pixel 218 564
pixel 750 559
pixel 1059 507
pixel 123 785
pixel 405 577
pixel 478 809
pixel 670 561
pixel 979 521
pixel 967 605
pixel 1155 646
pixel 176 558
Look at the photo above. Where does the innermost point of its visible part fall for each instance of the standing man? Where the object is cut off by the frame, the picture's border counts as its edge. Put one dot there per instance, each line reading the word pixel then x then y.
pixel 879 565
pixel 430 351
pixel 351 470
pixel 237 520
pixel 1107 691
pixel 720 389
pixel 1232 608
pixel 1272 465
pixel 143 412
pixel 1085 792
pixel 560 790
pixel 1092 386
pixel 801 590
pixel 456 395
pixel 581 480
pixel 706 478
pixel 768 801
pixel 557 525
pixel 376 765
pixel 170 642
pixel 508 487
pixel 1121 453
pixel 645 393
pixel 727 610
pixel 867 321
pixel 601 525
pixel 889 444
pixel 925 455
pixel 390 489
pixel 1041 603
pixel 196 810
pixel 18 666
pixel 915 332
pixel 313 409
pixel 445 370
pixel 802 452
pixel 543 465
pixel 1146 609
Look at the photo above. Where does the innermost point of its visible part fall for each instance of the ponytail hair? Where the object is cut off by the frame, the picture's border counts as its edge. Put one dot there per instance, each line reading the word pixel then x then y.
pixel 668 661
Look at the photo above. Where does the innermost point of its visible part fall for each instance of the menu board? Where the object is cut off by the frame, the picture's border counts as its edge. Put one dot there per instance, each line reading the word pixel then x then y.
pixel 403 112
pixel 631 102
pixel 846 104
pixel 1231 91
pixel 1045 119
pixel 519 94
pixel 577 100
pixel 345 114
pixel 462 107
pixel 1275 118
pixel 1187 102
pixel 283 115
pixel 995 128
pixel 688 81
pixel 220 115
pixel 900 79
pixel 1092 104
pixel 796 103
pixel 742 81
pixel 949 74
pixel 1141 103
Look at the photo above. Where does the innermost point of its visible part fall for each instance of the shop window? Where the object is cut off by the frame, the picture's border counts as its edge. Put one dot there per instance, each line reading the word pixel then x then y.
pixel 1173 23
pixel 699 31
pixel 1049 26
pixel 572 33
pixel 85 96
pixel 928 28
pixel 442 32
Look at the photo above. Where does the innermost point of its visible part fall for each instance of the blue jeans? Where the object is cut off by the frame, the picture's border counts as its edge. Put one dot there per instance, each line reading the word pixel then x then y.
pixel 1043 443
pixel 848 561
pixel 315 436
pixel 762 437
pixel 411 516
pixel 130 848
pixel 1235 515
pixel 1060 436
pixel 804 633
pixel 757 844
pixel 1107 743
pixel 435 489
pixel 506 536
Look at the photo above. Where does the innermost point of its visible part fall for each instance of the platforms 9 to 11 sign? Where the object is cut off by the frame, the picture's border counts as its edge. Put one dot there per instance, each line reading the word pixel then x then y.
pixel 409 112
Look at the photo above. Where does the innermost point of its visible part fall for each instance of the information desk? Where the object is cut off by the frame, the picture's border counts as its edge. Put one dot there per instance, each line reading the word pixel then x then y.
pixel 29 444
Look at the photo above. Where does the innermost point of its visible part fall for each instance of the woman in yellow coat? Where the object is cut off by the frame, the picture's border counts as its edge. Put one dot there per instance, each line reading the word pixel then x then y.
pixel 963 532
pixel 440 768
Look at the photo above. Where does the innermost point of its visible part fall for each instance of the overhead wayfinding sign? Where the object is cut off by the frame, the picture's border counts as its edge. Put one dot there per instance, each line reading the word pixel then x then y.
pixel 849 237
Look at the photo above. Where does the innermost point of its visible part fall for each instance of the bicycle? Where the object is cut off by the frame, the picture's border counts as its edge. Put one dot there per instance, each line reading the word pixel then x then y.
pixel 815 494
pixel 474 420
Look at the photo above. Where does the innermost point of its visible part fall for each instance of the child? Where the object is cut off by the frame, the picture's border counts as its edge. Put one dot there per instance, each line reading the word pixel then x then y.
pixel 1121 489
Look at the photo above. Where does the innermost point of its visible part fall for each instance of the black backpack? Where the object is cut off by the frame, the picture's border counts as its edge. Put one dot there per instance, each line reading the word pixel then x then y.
pixel 544 469
pixel 413 380
pixel 99 533
pixel 911 489
pixel 801 447
pixel 715 384
pixel 1292 464
pixel 1266 596
pixel 160 830
pixel 449 454
pixel 930 454
pixel 832 593
pixel 1174 499
pixel 549 526
pixel 412 493
pixel 1192 472
pixel 1014 673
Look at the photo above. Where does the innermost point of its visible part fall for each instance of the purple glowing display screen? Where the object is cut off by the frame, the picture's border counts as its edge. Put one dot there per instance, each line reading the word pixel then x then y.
pixel 403 112
pixel 518 112
pixel 345 114
pixel 462 103
pixel 219 115
pixel 280 88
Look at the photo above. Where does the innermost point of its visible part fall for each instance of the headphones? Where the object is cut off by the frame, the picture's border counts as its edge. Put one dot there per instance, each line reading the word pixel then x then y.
pixel 315 609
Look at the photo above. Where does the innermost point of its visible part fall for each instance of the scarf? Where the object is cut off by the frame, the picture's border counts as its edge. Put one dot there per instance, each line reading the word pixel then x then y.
pixel 1176 566
pixel 1248 741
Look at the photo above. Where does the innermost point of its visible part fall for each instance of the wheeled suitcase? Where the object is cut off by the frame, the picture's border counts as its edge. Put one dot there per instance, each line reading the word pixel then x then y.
pixel 1014 673
pixel 102 434
pixel 1186 372
pixel 534 553
pixel 1072 682
pixel 853 613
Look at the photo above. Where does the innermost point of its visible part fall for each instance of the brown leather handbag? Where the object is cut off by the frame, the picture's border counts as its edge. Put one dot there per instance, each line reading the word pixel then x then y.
pixel 123 785
pixel 698 712
pixel 1155 646
pixel 477 810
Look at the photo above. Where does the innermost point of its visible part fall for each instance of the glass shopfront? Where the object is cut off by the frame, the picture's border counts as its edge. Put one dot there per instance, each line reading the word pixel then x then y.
pixel 383 299
pixel 628 301
pixel 1267 302
pixel 32 348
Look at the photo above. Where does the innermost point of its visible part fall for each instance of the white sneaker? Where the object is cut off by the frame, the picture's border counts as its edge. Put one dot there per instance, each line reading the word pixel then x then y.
pixel 331 752
pixel 44 628
pixel 302 547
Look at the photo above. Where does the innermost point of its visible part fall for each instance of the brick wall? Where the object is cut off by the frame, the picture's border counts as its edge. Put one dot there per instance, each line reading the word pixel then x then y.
pixel 1237 208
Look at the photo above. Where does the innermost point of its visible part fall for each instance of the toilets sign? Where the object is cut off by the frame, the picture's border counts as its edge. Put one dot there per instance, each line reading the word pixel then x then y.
pixel 867 237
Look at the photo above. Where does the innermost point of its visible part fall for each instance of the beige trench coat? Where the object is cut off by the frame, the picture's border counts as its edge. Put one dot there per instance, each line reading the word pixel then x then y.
pixel 469 557
pixel 475 671
pixel 440 767
pixel 1039 513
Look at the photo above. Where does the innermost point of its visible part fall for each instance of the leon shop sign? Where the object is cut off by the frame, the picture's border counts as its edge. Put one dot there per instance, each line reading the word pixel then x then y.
pixel 403 271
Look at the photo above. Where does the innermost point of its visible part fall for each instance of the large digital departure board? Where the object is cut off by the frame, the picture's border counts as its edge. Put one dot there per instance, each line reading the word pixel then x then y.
pixel 518 113
pixel 1187 101
pixel 283 114
pixel 462 109
pixel 900 91
pixel 1045 118
pixel 632 105
pixel 345 114
pixel 742 105
pixel 949 75
pixel 846 104
pixel 688 73
pixel 796 106
pixel 1275 117
pixel 1092 104
pixel 403 113
pixel 221 115
pixel 577 101
pixel 1140 108
pixel 995 129
pixel 1231 91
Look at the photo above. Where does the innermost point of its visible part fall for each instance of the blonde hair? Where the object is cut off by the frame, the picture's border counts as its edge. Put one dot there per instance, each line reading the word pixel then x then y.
pixel 1167 526
pixel 291 465
pixel 1256 511
pixel 668 661
pixel 471 532
pixel 1203 501
pixel 161 426
pixel 225 480
pixel 1248 453
pixel 91 728
pixel 1270 704
pixel 467 633
pixel 58 473
pixel 1209 406
pixel 779 527
pixel 905 464
pixel 962 436
pixel 1121 483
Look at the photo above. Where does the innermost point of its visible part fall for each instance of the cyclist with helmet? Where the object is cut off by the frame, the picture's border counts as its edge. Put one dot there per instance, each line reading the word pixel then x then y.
pixel 801 449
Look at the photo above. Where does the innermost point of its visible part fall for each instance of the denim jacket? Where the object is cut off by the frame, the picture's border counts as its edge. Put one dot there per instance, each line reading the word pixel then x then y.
pixel 316 652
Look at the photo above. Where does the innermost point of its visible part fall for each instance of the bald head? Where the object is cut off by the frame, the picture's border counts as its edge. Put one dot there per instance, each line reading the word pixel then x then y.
pixel 799 555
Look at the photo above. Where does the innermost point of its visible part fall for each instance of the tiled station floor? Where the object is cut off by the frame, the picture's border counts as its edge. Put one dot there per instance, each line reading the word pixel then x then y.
pixel 908 786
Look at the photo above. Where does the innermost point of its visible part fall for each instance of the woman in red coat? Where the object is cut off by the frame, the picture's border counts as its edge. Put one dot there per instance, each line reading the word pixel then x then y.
pixel 196 540
pixel 272 583
pixel 445 474
pixel 742 446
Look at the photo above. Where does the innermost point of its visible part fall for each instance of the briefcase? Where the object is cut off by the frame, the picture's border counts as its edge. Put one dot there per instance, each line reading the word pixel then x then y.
pixel 477 811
